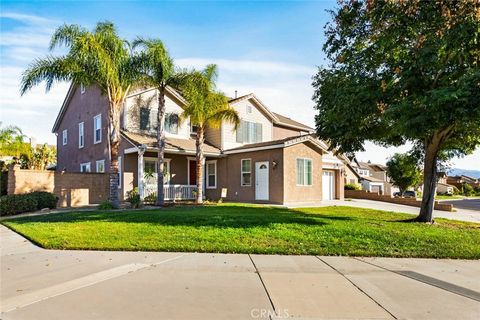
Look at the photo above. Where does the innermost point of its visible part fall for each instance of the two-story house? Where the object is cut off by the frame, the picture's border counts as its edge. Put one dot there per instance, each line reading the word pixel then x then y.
pixel 374 178
pixel 269 158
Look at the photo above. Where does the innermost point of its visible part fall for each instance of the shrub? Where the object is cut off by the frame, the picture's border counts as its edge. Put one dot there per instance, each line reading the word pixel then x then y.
pixel 44 199
pixel 107 205
pixel 151 198
pixel 456 191
pixel 468 190
pixel 134 198
pixel 352 186
pixel 19 203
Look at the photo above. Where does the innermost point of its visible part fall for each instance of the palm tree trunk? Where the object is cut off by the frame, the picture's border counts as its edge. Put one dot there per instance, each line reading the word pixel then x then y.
pixel 200 156
pixel 114 136
pixel 161 146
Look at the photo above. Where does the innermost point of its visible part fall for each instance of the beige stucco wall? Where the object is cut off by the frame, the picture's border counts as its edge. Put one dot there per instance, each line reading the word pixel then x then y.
pixel 280 132
pixel 72 189
pixel 236 192
pixel 350 176
pixel 292 192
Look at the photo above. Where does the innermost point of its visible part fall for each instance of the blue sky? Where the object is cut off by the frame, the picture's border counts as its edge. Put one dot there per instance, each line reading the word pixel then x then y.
pixel 269 48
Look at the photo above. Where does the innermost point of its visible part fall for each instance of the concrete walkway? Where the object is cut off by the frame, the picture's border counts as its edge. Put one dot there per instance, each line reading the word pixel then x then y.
pixel 55 284
pixel 460 214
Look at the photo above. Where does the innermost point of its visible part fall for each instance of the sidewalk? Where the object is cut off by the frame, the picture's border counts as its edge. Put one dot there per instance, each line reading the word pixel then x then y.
pixel 56 284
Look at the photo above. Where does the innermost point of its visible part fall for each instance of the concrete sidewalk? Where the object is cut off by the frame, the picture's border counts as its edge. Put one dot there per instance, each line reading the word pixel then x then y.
pixel 55 284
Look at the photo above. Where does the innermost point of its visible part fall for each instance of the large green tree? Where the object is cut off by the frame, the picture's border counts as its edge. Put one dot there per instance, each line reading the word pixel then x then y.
pixel 402 71
pixel 158 71
pixel 403 171
pixel 205 108
pixel 12 142
pixel 98 58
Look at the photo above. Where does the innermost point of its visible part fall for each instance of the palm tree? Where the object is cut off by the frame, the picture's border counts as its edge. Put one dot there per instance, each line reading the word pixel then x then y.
pixel 12 142
pixel 98 58
pixel 206 108
pixel 159 71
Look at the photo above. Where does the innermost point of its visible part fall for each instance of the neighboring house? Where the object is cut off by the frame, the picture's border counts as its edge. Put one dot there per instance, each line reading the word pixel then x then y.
pixel 459 181
pixel 270 158
pixel 374 178
pixel 442 186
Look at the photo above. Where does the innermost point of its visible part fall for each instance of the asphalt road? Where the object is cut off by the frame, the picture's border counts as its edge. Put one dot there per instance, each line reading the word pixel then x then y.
pixel 469 204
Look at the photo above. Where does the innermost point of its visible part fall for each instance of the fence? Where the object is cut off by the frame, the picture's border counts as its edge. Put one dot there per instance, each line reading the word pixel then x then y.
pixel 362 194
pixel 72 188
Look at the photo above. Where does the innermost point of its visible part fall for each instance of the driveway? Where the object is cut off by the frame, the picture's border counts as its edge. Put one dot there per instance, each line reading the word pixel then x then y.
pixel 461 214
pixel 62 284
pixel 468 204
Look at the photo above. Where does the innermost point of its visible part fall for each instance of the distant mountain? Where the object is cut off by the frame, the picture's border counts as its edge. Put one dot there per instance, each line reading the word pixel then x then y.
pixel 458 172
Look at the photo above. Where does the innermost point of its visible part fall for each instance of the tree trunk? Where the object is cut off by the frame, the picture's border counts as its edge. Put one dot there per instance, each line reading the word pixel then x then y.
pixel 200 156
pixel 432 147
pixel 114 140
pixel 160 201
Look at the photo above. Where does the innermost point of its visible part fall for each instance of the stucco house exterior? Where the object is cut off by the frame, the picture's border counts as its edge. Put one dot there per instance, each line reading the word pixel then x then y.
pixel 374 178
pixel 269 159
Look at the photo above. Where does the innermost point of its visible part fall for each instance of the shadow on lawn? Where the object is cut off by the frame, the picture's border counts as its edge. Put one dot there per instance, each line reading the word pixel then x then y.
pixel 221 216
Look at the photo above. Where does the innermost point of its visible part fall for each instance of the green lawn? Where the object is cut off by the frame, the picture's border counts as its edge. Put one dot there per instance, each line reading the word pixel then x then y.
pixel 455 197
pixel 254 229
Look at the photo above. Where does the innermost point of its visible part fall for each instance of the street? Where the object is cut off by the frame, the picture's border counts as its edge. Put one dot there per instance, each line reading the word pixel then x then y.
pixel 469 204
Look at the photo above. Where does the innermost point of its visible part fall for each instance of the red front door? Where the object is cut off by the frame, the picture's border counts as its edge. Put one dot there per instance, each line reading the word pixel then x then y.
pixel 192 179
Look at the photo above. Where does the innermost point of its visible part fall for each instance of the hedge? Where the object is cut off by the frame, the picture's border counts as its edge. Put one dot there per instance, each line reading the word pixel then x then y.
pixel 19 203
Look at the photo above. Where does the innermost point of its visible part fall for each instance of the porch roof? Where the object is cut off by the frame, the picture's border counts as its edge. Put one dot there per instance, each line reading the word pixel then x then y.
pixel 281 143
pixel 171 144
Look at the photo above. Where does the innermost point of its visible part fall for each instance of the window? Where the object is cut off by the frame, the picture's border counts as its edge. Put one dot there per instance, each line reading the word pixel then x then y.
pixel 211 174
pixel 304 172
pixel 171 123
pixel 65 137
pixel 150 171
pixel 144 118
pixel 85 167
pixel 193 129
pixel 246 173
pixel 119 172
pixel 249 132
pixel 82 88
pixel 97 129
pixel 249 109
pixel 81 135
pixel 363 172
pixel 100 166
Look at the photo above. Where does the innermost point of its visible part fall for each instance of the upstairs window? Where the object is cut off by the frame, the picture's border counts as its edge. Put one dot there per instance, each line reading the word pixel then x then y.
pixel 304 172
pixel 249 109
pixel 65 137
pixel 97 129
pixel 85 167
pixel 100 166
pixel 171 123
pixel 144 118
pixel 81 135
pixel 193 129
pixel 249 132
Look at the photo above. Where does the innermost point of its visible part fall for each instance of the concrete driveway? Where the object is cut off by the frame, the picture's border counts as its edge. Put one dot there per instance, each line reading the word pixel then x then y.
pixel 55 284
pixel 460 214
pixel 468 204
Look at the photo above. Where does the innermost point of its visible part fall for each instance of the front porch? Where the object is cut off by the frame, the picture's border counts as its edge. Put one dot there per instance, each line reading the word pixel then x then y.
pixel 180 181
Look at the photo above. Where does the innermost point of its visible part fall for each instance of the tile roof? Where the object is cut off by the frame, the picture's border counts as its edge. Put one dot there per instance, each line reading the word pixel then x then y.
pixel 171 144
pixel 285 142
pixel 287 121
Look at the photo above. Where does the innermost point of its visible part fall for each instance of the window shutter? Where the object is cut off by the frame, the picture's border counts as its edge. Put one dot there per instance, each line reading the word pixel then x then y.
pixel 240 132
pixel 153 118
pixel 258 132
pixel 144 118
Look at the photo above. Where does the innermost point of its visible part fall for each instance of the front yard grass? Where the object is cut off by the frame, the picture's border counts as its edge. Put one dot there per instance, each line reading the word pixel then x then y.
pixel 235 228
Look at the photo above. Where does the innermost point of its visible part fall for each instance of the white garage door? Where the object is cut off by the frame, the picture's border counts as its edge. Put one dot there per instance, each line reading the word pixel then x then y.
pixel 328 185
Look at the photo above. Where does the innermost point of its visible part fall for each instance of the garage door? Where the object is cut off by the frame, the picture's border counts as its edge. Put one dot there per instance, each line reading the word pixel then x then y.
pixel 328 185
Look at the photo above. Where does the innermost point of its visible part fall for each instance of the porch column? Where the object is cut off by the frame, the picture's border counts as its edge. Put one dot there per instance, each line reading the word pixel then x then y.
pixel 141 175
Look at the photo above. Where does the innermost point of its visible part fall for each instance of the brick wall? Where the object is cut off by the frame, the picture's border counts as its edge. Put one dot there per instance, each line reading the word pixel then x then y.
pixel 362 194
pixel 73 189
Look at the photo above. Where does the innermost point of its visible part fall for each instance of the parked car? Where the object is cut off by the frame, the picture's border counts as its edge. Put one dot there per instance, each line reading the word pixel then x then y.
pixel 406 194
